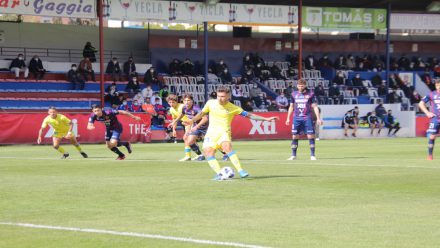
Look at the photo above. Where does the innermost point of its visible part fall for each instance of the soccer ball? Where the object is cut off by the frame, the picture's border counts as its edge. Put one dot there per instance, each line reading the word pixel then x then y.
pixel 226 173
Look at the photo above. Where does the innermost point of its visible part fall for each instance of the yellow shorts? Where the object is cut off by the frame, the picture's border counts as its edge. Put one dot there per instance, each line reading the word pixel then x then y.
pixel 61 134
pixel 215 140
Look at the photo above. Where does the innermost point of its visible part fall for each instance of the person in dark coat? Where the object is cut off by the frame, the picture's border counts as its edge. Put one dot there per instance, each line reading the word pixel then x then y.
pixel 89 52
pixel 130 68
pixel 114 69
pixel 18 65
pixel 74 77
pixel 36 67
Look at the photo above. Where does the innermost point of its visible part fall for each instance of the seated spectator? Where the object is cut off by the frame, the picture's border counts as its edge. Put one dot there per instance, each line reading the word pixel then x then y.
pixel 225 76
pixel 130 68
pixel 18 65
pixel 319 93
pixel 133 86
pixel 264 102
pixel 212 78
pixel 247 77
pixel 174 68
pixel 426 78
pixel 351 62
pixel 257 59
pixel 276 72
pixel 376 80
pixel 335 94
pixel 237 93
pixel 310 62
pixel 112 94
pixel 394 81
pixel 403 63
pixel 163 92
pixel 155 97
pixel 374 123
pixel 124 106
pixel 339 79
pixel 151 77
pixel 89 52
pixel 220 67
pixel 381 90
pixel 291 73
pixel 247 62
pixel 272 107
pixel 36 68
pixel 85 68
pixel 187 67
pixel 138 97
pixel 325 62
pixel 341 63
pixel 393 97
pixel 136 106
pixel 118 101
pixel 75 78
pixel 282 102
pixel 290 88
pixel 254 94
pixel 147 106
pixel 391 123
pixel 246 103
pixel 358 86
pixel 159 119
pixel 147 92
pixel 114 69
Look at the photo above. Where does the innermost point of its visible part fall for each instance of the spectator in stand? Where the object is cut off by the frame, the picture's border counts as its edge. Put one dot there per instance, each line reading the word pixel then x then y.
pixel 187 67
pixel 258 71
pixel 335 94
pixel 247 77
pixel 118 101
pixel 358 86
pixel 75 78
pixel 319 93
pixel 114 69
pixel 89 52
pixel 376 80
pixel 136 107
pixel 124 106
pixel 18 65
pixel 391 123
pixel 341 63
pixel 351 62
pixel 159 119
pixel 282 102
pixel 151 77
pixel 138 97
pixel 155 97
pixel 220 67
pixel 325 62
pixel 419 64
pixel 310 63
pixel 226 76
pixel 237 93
pixel 374 123
pixel 381 90
pixel 86 69
pixel 393 97
pixel 264 102
pixel 112 94
pixel 147 106
pixel 339 79
pixel 130 68
pixel 147 92
pixel 415 99
pixel 247 62
pixel 403 63
pixel 36 68
pixel 257 59
pixel 275 71
pixel 291 73
pixel 133 86
pixel 394 81
pixel 212 78
pixel 163 92
pixel 174 68
pixel 254 93
pixel 426 78
pixel 290 88
pixel 272 107
pixel 247 104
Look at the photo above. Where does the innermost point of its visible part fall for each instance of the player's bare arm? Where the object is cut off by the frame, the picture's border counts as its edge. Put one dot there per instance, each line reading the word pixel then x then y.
pixel 129 115
pixel 40 133
pixel 317 114
pixel 201 123
pixel 69 132
pixel 289 114
pixel 196 118
pixel 425 110
pixel 261 118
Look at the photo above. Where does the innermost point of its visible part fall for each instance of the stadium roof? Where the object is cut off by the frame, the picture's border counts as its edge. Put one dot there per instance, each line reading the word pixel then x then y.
pixel 396 5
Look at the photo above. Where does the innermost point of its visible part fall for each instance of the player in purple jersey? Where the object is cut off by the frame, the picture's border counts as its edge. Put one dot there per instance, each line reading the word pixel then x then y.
pixel 113 128
pixel 434 126
pixel 303 101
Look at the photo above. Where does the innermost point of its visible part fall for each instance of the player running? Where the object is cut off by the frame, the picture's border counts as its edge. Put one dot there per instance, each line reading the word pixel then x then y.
pixel 302 102
pixel 62 129
pixel 113 128
pixel 221 112
pixel 434 126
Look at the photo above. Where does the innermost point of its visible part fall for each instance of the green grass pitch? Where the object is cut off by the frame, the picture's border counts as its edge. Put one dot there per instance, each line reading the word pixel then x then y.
pixel 360 193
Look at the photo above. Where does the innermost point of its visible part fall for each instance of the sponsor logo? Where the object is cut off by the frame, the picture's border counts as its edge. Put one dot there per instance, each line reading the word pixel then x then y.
pixel 263 127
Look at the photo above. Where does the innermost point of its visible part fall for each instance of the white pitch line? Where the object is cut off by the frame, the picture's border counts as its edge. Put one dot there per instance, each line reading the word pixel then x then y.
pixel 133 234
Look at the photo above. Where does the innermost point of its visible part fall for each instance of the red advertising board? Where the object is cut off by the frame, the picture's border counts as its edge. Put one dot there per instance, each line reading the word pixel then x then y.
pixel 422 123
pixel 23 129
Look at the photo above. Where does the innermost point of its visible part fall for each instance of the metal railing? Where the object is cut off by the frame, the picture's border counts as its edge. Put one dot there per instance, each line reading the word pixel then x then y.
pixel 71 55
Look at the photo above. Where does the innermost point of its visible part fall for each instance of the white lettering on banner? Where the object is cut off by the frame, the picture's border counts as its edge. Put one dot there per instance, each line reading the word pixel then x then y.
pixel 347 17
pixel 263 127
pixel 139 129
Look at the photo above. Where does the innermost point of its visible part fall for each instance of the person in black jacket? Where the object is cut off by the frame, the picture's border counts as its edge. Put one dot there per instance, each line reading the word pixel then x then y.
pixel 130 68
pixel 89 52
pixel 374 122
pixel 18 65
pixel 36 68
pixel 150 77
pixel 391 123
pixel 114 69
pixel 75 77
pixel 133 86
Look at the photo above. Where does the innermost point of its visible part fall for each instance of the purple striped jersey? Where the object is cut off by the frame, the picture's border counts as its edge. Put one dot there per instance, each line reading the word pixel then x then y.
pixel 303 104
pixel 434 99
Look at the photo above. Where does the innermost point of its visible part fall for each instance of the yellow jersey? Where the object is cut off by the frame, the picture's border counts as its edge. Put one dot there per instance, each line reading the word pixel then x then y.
pixel 220 116
pixel 60 124
pixel 175 112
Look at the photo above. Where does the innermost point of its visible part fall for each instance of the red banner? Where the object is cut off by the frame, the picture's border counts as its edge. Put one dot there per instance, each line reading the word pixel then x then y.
pixel 23 129
pixel 422 124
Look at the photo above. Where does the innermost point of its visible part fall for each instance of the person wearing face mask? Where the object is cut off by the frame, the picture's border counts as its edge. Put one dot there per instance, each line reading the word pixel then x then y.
pixel 136 107
pixel 174 67
pixel 75 78
pixel 220 67
pixel 151 77
pixel 114 69
pixel 85 68
pixel 254 93
pixel 187 67
pixel 18 65
pixel 129 68
pixel 133 86
pixel 89 51
pixel 226 76
pixel 282 102
pixel 124 106
pixel 339 78
pixel 36 68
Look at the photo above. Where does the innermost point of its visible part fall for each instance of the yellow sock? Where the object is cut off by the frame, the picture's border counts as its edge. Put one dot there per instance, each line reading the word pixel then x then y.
pixel 187 151
pixel 61 150
pixel 214 164
pixel 78 147
pixel 235 161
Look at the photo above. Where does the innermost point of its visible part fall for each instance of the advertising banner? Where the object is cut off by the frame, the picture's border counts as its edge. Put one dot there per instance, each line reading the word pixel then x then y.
pixel 56 8
pixel 244 128
pixel 198 12
pixel 347 18
pixel 415 23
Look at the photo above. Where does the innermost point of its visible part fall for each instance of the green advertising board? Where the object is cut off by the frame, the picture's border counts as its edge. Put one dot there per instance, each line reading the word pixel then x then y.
pixel 347 18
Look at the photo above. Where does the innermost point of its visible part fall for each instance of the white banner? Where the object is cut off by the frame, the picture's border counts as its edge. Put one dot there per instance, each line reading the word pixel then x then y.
pixel 57 8
pixel 195 12
pixel 415 21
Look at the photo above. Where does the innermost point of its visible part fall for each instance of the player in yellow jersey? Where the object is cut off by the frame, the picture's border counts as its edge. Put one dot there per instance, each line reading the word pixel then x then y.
pixel 62 129
pixel 176 112
pixel 221 112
